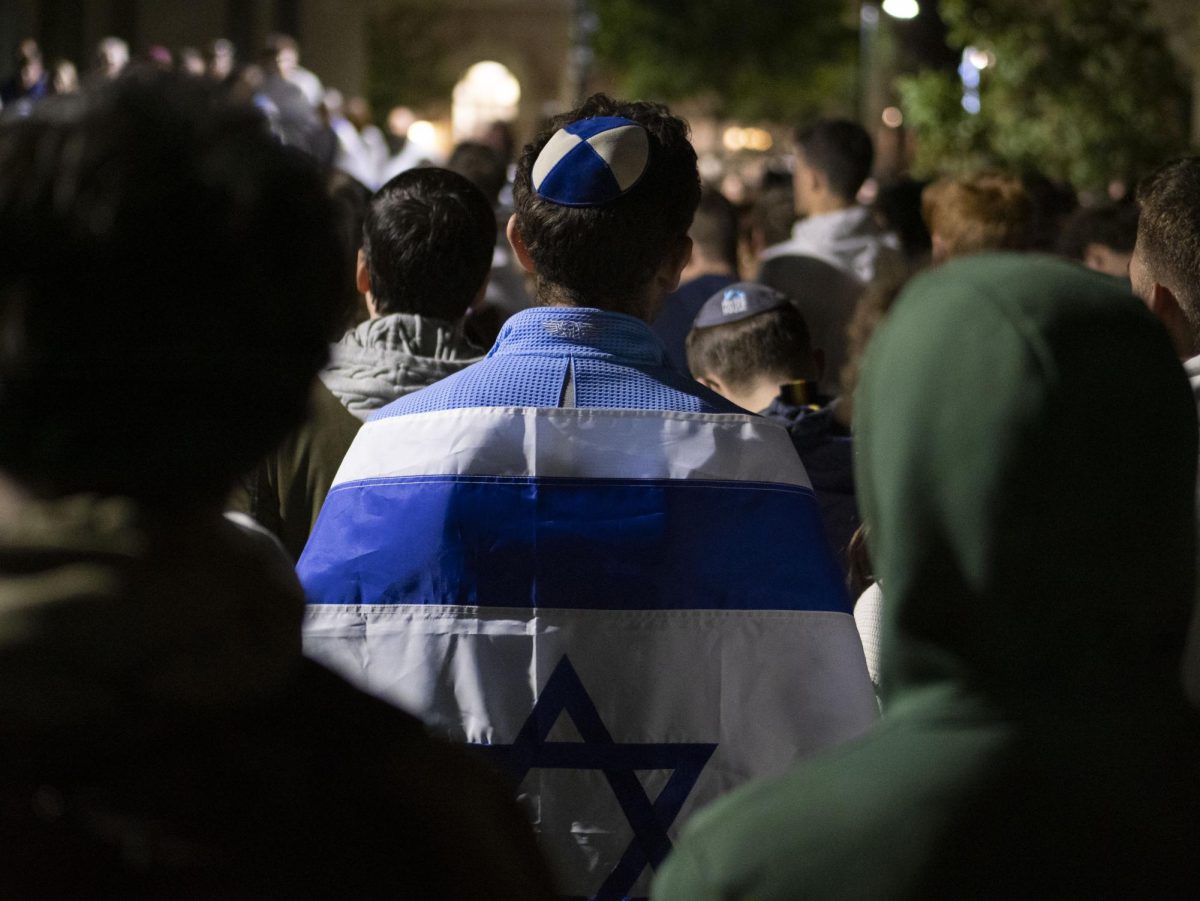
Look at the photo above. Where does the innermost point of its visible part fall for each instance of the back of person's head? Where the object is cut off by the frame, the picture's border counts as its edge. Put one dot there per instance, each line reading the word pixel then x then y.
pixel 481 165
pixel 1012 514
pixel 358 112
pixel 499 136
pixel 898 206
pixel 350 202
pixel 428 241
pixel 1053 203
pixel 1168 234
pixel 839 149
pixel 606 255
pixel 1102 237
pixel 972 213
pixel 773 345
pixel 772 216
pixel 279 43
pixel 168 287
pixel 714 230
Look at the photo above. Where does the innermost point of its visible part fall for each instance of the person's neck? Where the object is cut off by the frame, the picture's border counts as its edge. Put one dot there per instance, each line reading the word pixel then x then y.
pixel 643 307
pixel 700 265
pixel 757 396
pixel 828 203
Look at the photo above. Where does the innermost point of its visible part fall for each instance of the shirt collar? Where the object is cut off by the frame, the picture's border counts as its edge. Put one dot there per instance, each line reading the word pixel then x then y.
pixel 579 332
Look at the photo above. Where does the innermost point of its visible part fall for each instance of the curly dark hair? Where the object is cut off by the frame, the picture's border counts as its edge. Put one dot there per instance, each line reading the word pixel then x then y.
pixel 605 256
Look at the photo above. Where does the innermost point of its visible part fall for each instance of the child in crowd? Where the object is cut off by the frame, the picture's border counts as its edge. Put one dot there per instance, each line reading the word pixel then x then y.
pixel 751 345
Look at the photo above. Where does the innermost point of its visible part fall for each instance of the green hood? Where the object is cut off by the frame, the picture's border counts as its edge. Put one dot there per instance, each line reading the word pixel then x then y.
pixel 1026 447
pixel 1027 452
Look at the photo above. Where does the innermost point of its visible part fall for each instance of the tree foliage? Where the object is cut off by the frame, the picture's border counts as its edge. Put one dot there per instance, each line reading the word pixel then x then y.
pixel 1080 90
pixel 750 59
pixel 407 55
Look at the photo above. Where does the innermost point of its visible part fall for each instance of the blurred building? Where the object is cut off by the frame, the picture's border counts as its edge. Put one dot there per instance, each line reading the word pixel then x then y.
pixel 530 38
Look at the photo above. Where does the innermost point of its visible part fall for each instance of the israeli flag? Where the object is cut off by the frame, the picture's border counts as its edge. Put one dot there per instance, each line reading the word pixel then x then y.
pixel 631 611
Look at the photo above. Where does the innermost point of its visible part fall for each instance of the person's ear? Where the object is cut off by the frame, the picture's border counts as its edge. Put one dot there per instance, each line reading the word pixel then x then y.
pixel 939 249
pixel 818 183
pixel 481 294
pixel 1096 257
pixel 518 244
pixel 1165 305
pixel 674 265
pixel 362 278
pixel 709 382
pixel 362 281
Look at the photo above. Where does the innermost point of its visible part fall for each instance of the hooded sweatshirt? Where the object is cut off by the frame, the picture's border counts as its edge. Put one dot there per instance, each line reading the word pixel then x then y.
pixel 847 239
pixel 161 735
pixel 386 358
pixel 1026 446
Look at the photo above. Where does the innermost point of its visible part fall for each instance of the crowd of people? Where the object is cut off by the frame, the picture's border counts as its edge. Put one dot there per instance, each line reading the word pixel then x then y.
pixel 554 527
pixel 339 131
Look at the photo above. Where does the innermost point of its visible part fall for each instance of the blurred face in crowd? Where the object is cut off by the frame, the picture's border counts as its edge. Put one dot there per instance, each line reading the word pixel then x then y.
pixel 31 64
pixel 287 59
pixel 1103 258
pixel 114 55
pixel 221 60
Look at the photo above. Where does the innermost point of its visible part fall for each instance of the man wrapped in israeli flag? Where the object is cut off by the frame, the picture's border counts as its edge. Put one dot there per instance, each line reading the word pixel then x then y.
pixel 612 580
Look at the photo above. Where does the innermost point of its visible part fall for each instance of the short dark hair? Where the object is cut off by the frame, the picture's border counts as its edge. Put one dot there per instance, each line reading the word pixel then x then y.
pixel 1113 225
pixel 775 343
pixel 1168 234
pixel 774 214
pixel 601 256
pixel 898 204
pixel 168 288
pixel 840 149
pixel 277 42
pixel 481 165
pixel 715 228
pixel 428 238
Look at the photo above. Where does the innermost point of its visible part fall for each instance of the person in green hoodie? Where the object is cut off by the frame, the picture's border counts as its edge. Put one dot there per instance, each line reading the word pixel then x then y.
pixel 1027 445
pixel 168 282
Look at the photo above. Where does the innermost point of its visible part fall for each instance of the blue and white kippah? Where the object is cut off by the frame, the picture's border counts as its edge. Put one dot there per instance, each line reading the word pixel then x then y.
pixel 591 162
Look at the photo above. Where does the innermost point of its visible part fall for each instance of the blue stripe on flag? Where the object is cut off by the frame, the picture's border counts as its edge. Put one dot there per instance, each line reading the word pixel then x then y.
pixel 605 544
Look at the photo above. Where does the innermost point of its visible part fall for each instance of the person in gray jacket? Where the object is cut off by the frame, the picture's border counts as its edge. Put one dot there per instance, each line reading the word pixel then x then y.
pixel 425 259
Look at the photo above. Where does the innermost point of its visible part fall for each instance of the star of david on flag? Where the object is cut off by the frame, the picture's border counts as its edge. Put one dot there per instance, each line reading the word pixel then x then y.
pixel 564 692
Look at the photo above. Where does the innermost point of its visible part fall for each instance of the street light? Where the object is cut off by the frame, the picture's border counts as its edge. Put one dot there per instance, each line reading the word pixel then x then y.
pixel 902 9
pixel 868 30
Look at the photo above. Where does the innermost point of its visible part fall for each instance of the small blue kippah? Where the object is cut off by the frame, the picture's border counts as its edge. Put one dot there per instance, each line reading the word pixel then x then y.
pixel 591 162
pixel 737 302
